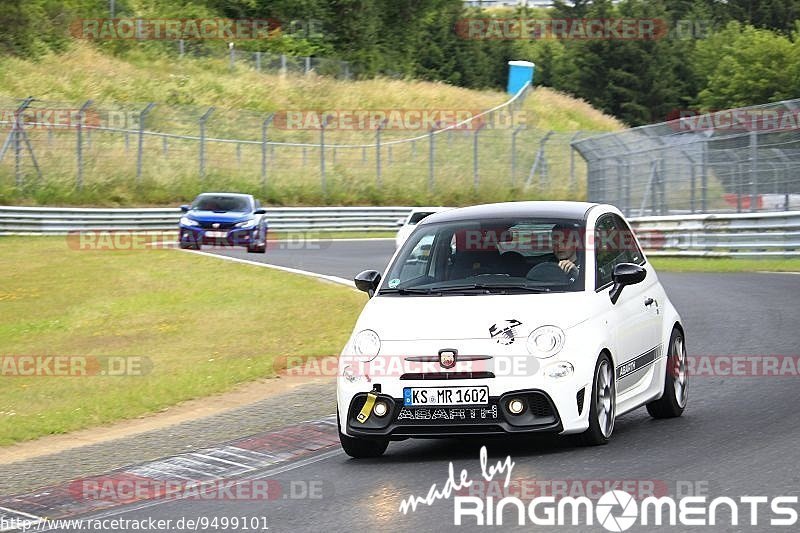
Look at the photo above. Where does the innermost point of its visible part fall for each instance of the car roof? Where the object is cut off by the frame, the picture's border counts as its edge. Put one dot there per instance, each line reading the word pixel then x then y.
pixel 555 209
pixel 225 194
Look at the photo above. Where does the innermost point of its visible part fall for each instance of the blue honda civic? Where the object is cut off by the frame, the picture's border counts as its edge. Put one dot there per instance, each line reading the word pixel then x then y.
pixel 224 219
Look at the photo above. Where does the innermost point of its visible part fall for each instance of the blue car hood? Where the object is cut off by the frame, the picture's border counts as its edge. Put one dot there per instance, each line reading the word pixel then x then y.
pixel 211 216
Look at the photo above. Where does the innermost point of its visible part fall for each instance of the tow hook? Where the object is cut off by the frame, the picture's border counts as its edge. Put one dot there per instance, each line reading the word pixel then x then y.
pixel 368 405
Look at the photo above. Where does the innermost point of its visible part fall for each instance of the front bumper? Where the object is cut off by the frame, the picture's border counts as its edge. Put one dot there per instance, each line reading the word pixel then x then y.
pixel 233 237
pixel 554 406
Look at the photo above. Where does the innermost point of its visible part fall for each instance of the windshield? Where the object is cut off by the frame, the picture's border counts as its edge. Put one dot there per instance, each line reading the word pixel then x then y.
pixel 221 203
pixel 490 256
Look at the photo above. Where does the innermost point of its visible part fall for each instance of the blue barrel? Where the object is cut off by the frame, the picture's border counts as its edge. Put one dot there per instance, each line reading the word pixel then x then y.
pixel 519 73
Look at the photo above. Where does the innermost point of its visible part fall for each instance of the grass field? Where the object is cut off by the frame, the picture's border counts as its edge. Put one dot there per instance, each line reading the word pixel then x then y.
pixel 185 89
pixel 202 325
pixel 724 264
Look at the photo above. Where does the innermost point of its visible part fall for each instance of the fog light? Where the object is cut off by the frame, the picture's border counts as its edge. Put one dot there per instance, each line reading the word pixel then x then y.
pixel 516 406
pixel 380 408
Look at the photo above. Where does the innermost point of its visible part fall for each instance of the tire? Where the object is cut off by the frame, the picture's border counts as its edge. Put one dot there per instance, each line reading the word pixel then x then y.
pixel 259 248
pixel 359 448
pixel 673 401
pixel 190 245
pixel 603 404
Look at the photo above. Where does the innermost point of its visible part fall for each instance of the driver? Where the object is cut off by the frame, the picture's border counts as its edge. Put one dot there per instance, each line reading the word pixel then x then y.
pixel 565 240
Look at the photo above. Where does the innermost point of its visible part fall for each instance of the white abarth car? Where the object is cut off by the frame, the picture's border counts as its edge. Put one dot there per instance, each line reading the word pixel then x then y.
pixel 510 318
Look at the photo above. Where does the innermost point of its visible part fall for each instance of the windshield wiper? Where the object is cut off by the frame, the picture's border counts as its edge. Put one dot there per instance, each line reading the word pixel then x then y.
pixel 410 290
pixel 492 286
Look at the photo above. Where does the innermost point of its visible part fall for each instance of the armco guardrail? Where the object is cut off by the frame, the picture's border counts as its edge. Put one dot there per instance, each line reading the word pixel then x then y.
pixel 725 235
pixel 714 235
pixel 57 220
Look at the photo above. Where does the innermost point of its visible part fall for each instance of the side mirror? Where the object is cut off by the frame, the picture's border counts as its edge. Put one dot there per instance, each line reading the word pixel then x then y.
pixel 401 221
pixel 184 208
pixel 260 211
pixel 625 274
pixel 368 281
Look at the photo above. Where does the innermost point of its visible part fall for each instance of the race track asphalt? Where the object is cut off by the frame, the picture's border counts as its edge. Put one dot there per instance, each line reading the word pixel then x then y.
pixel 739 435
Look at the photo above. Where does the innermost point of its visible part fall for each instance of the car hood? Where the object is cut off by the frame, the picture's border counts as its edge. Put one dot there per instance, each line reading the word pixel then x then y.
pixel 413 318
pixel 211 216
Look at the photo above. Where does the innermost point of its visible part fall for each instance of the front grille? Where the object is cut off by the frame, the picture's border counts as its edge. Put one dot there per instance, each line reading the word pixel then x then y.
pixel 539 405
pixel 478 429
pixel 446 375
pixel 579 398
pixel 222 225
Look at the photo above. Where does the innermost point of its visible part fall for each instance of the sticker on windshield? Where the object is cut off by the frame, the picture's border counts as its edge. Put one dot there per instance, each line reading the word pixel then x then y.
pixel 394 283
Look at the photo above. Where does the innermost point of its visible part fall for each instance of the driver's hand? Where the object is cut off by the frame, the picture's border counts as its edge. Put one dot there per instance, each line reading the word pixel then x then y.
pixel 567 266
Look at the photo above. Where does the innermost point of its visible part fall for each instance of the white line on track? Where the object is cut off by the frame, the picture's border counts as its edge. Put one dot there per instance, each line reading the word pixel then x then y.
pixel 262 474
pixel 32 519
pixel 334 279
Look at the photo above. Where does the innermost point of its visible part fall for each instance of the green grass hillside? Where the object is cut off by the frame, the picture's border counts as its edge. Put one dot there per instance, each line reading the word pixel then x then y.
pixel 183 89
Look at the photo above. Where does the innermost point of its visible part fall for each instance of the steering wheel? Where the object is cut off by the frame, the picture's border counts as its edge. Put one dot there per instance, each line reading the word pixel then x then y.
pixel 549 273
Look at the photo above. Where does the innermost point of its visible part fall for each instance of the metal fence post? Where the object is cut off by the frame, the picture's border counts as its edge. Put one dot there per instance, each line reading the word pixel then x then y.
pixel 202 152
pixel 16 137
pixel 322 155
pixel 378 181
pixel 475 177
pixel 514 153
pixel 283 65
pixel 142 116
pixel 233 56
pixel 181 48
pixel 753 170
pixel 79 143
pixel 258 61
pixel 431 158
pixel 704 179
pixel 264 126
pixel 572 179
pixel 307 65
pixel 539 159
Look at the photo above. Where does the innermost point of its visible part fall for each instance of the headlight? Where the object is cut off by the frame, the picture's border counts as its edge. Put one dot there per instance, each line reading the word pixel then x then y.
pixel 367 342
pixel 560 370
pixel 186 221
pixel 246 224
pixel 545 341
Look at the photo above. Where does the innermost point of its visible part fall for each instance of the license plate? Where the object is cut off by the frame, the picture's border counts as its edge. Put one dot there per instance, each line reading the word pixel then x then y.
pixel 217 234
pixel 416 396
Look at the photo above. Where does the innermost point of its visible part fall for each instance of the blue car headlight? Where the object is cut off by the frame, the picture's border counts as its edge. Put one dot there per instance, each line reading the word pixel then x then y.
pixel 247 224
pixel 186 221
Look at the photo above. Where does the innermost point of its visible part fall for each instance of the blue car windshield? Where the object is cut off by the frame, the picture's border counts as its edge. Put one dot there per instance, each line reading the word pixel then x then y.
pixel 221 203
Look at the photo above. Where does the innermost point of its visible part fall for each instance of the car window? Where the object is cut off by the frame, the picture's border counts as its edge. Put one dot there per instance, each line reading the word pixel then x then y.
pixel 614 244
pixel 511 255
pixel 221 203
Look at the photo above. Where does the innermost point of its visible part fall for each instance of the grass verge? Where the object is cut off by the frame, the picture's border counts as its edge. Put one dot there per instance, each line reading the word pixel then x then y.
pixel 203 326
pixel 724 264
